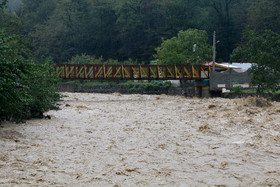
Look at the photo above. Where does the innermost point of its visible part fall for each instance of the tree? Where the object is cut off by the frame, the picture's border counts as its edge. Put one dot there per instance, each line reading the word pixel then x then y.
pixel 26 87
pixel 63 34
pixel 74 27
pixel 36 12
pixel 14 5
pixel 11 24
pixel 189 47
pixel 228 18
pixel 102 39
pixel 3 3
pixel 142 24
pixel 126 29
pixel 264 14
pixel 136 23
pixel 263 50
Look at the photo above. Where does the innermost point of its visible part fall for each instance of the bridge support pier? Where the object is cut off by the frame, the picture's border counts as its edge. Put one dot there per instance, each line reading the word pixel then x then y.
pixel 202 88
pixel 195 88
pixel 188 88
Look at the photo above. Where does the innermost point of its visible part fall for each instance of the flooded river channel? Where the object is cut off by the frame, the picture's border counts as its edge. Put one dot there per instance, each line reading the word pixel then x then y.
pixel 145 140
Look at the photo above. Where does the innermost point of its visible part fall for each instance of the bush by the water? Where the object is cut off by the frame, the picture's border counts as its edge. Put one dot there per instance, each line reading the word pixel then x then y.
pixel 27 88
pixel 148 86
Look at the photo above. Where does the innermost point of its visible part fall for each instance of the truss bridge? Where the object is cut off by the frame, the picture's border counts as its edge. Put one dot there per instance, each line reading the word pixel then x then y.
pixel 132 72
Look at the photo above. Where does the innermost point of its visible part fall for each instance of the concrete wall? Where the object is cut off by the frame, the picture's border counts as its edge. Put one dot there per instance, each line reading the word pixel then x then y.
pixel 226 79
pixel 185 88
pixel 66 87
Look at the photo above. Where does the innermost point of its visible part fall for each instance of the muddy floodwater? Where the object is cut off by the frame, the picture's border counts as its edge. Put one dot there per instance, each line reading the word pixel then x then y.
pixel 145 140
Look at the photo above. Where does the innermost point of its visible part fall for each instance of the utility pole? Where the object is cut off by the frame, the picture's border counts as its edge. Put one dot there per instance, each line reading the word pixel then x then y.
pixel 214 59
pixel 214 50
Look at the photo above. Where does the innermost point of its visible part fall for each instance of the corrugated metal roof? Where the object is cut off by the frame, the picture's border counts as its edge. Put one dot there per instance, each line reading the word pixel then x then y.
pixel 226 65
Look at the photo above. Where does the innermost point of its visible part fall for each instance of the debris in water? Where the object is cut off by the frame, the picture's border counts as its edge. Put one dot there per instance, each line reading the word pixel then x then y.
pixel 211 106
pixel 203 128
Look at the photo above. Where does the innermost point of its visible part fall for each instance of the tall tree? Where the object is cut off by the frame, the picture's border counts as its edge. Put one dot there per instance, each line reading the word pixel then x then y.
pixel 75 27
pixel 265 14
pixel 11 24
pixel 143 23
pixel 63 33
pixel 179 15
pixel 189 47
pixel 228 18
pixel 36 12
pixel 134 28
pixel 103 32
pixel 263 50
pixel 3 3
pixel 14 5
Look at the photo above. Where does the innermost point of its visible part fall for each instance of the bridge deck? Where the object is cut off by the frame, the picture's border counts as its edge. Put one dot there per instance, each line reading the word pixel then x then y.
pixel 132 72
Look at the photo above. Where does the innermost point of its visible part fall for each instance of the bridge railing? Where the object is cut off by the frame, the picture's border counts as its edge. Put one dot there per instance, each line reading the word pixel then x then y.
pixel 132 72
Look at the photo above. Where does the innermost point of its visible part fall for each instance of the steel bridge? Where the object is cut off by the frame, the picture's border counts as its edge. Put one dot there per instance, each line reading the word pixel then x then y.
pixel 132 72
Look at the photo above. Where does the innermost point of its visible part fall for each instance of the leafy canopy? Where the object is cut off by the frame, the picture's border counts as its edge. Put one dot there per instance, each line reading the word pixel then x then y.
pixel 88 59
pixel 264 15
pixel 26 88
pixel 189 47
pixel 3 4
pixel 263 50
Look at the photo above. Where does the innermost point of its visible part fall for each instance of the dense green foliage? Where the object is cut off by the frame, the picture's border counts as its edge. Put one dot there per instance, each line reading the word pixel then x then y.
pixel 126 29
pixel 97 31
pixel 13 5
pixel 189 47
pixel 265 15
pixel 147 86
pixel 87 59
pixel 26 88
pixel 264 51
pixel 132 86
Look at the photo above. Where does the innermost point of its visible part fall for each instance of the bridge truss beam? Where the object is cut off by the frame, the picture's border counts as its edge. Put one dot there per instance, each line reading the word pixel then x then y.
pixel 132 72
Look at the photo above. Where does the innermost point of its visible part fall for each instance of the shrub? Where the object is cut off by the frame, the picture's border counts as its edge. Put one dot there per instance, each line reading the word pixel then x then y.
pixel 263 51
pixel 88 59
pixel 236 90
pixel 149 86
pixel 27 88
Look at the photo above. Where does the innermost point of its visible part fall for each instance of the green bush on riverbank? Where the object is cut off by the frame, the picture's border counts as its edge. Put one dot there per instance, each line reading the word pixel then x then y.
pixel 147 86
pixel 27 88
pixel 128 86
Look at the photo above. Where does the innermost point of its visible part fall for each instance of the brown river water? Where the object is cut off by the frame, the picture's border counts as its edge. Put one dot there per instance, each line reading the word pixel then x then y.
pixel 145 140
